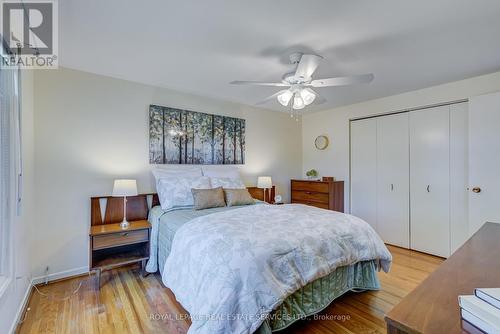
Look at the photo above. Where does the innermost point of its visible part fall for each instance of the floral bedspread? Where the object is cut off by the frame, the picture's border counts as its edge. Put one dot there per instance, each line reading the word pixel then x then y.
pixel 231 269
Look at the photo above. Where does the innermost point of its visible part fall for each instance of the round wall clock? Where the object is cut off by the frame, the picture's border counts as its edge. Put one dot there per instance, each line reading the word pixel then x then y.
pixel 321 142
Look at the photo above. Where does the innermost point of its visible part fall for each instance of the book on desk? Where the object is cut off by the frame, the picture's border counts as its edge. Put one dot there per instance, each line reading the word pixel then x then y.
pixel 482 310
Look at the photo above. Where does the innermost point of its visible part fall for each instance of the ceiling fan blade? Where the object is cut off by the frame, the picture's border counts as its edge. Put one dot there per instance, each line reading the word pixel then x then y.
pixel 259 83
pixel 270 98
pixel 307 65
pixel 343 81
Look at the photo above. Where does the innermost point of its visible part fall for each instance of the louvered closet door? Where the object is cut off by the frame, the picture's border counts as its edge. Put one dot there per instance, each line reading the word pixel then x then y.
pixel 393 179
pixel 364 170
pixel 430 181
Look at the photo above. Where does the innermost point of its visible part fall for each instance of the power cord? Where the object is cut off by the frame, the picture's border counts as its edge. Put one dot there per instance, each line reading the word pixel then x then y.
pixel 52 296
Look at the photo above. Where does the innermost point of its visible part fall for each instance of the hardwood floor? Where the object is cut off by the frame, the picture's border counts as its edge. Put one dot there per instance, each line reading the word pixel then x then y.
pixel 128 303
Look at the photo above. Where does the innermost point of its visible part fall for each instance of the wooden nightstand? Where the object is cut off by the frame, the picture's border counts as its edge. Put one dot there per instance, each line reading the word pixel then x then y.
pixel 111 246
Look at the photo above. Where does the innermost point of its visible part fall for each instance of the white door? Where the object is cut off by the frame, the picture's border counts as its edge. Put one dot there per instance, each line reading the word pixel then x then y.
pixel 364 170
pixel 429 180
pixel 459 175
pixel 484 160
pixel 393 179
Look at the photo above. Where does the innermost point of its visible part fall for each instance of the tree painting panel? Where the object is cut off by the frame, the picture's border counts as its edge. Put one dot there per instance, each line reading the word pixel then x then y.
pixel 156 154
pixel 186 137
pixel 218 140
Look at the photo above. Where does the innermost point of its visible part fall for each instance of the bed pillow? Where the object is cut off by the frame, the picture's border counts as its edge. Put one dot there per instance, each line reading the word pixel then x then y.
pixel 208 198
pixel 175 191
pixel 236 197
pixel 221 171
pixel 227 182
pixel 187 171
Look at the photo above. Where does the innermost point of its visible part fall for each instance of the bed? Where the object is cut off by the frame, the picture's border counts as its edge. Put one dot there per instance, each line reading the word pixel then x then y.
pixel 254 268
pixel 182 238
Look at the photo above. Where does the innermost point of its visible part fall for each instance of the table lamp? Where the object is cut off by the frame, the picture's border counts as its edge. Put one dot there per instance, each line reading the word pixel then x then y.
pixel 265 182
pixel 124 188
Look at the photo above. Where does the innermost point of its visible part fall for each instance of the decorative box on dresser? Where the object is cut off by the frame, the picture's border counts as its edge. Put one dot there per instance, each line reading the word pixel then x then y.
pixel 321 194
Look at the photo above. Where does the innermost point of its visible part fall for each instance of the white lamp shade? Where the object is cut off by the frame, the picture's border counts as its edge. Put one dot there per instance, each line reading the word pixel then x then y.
pixel 298 103
pixel 308 96
pixel 124 188
pixel 285 97
pixel 264 182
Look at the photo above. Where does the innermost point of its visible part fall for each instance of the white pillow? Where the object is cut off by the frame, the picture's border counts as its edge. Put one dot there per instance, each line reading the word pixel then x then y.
pixel 227 183
pixel 175 191
pixel 176 171
pixel 221 171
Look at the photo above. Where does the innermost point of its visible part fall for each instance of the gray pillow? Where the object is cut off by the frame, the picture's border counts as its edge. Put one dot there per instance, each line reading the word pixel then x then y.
pixel 236 197
pixel 208 198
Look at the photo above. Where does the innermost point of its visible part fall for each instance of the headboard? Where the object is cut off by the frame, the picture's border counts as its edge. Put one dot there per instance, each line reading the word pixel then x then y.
pixel 263 194
pixel 137 208
pixel 109 210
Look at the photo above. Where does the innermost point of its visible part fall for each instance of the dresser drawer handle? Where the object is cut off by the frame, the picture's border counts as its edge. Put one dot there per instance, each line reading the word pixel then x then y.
pixel 124 234
pixel 308 192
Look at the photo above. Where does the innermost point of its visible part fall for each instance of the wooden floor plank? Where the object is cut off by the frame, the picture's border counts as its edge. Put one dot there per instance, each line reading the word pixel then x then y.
pixel 129 303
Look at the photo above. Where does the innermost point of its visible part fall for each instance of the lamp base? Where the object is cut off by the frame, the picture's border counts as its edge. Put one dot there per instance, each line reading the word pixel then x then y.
pixel 124 224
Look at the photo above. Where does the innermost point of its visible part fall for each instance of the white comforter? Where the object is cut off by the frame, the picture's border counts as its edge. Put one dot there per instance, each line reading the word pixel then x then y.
pixel 231 269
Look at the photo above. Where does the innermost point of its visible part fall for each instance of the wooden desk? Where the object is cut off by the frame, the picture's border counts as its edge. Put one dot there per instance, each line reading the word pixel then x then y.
pixel 433 306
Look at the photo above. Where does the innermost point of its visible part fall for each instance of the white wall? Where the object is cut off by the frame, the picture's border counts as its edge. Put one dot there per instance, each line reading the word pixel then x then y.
pixel 11 301
pixel 334 161
pixel 91 129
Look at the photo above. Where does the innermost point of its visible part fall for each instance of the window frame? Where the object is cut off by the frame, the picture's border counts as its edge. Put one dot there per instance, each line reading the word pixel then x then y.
pixel 13 104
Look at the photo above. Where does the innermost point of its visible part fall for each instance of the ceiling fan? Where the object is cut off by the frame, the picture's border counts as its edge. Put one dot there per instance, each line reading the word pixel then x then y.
pixel 299 82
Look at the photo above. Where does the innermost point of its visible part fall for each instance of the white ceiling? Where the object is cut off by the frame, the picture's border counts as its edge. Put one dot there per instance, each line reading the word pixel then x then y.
pixel 200 46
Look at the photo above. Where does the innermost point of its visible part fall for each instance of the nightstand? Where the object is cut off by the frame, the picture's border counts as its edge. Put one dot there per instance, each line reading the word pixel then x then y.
pixel 111 246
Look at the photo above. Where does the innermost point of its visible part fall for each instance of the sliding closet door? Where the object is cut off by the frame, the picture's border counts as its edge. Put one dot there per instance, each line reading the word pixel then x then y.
pixel 459 174
pixel 393 179
pixel 364 170
pixel 430 180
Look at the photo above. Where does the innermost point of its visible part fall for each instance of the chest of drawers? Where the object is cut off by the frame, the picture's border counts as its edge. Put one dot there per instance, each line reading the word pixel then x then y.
pixel 322 194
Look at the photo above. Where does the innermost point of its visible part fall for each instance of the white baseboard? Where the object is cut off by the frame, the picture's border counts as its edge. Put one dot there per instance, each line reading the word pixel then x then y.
pixel 60 275
pixel 20 310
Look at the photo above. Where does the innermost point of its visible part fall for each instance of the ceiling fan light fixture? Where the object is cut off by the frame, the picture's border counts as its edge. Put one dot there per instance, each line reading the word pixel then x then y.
pixel 298 102
pixel 308 96
pixel 298 93
pixel 285 97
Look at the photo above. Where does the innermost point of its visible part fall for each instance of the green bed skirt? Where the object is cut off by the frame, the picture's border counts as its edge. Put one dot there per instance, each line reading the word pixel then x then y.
pixel 317 295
